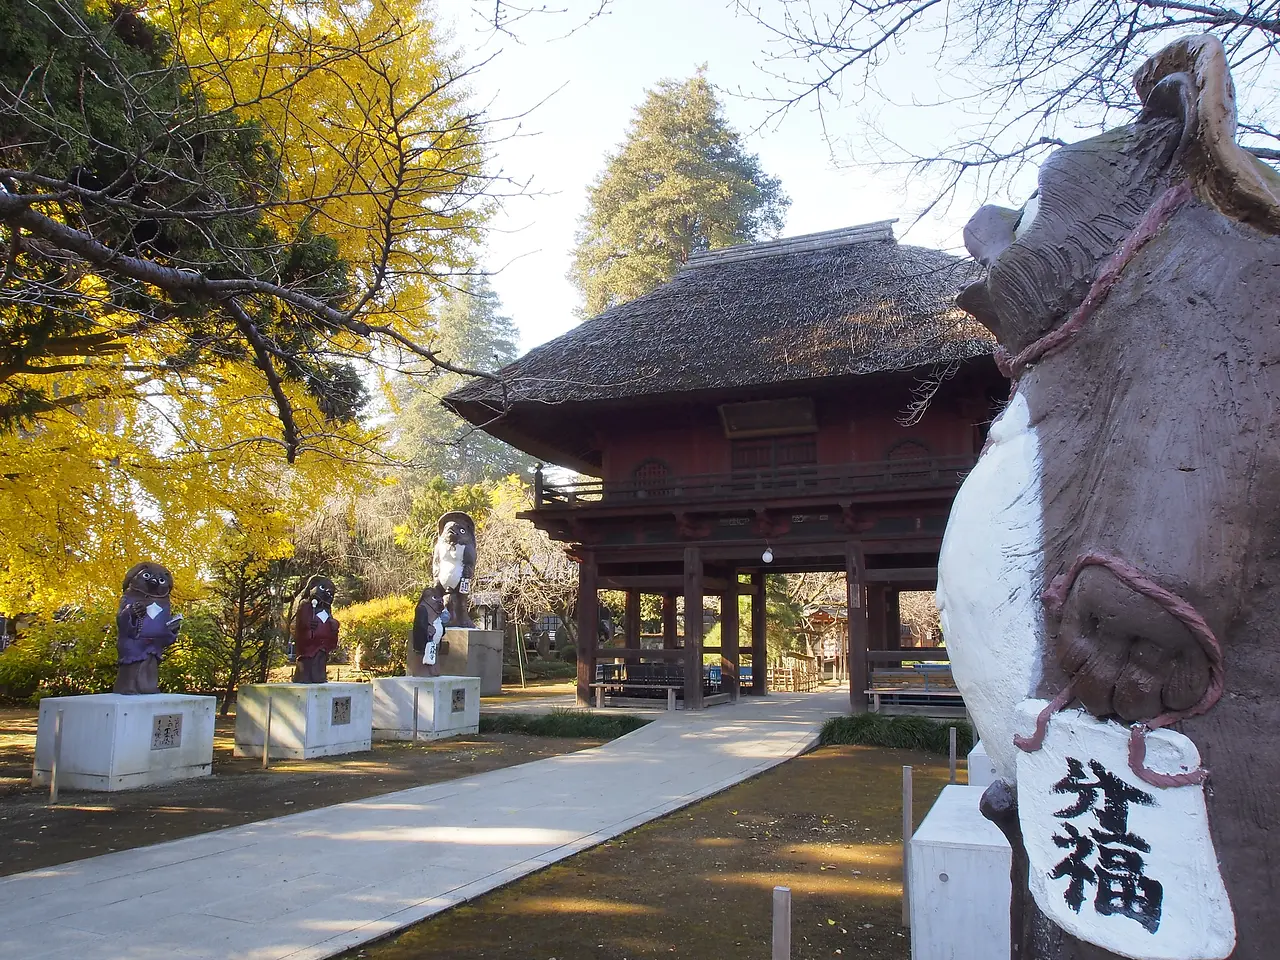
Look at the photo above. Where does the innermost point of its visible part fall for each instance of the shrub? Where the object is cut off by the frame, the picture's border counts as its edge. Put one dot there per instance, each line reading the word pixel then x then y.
pixel 76 654
pixel 568 654
pixel 907 733
pixel 377 633
pixel 72 655
pixel 562 723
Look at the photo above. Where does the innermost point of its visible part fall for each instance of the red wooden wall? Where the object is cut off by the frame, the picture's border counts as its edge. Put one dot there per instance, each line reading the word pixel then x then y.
pixel 851 428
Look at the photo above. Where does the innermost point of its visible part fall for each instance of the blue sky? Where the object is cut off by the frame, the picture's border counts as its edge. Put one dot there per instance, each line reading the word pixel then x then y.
pixel 596 77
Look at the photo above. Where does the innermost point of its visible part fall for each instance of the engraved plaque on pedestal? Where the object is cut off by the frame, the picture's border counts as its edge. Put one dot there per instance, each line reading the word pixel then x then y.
pixel 166 731
pixel 459 703
pixel 341 711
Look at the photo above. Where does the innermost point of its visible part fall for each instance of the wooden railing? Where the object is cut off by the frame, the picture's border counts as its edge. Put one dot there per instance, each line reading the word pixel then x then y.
pixel 842 478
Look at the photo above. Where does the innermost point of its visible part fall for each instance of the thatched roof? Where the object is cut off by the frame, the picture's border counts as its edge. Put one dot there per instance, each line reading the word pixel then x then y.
pixel 843 303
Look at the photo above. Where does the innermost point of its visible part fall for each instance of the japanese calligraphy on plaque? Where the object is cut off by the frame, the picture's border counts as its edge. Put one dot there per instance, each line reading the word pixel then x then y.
pixel 459 703
pixel 166 731
pixel 1111 859
pixel 341 711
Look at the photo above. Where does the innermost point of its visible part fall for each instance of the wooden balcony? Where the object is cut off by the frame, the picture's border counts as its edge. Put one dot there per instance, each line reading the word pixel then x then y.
pixel 935 473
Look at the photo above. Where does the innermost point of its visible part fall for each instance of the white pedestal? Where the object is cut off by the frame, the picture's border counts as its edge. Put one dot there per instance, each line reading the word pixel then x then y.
pixel 111 741
pixel 959 882
pixel 447 707
pixel 474 653
pixel 307 719
pixel 982 771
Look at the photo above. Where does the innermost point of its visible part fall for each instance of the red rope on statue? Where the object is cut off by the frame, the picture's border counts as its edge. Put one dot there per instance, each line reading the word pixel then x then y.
pixel 1034 742
pixel 1155 218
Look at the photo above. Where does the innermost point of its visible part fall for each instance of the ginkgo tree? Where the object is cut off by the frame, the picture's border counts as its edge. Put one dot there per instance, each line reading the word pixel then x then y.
pixel 216 220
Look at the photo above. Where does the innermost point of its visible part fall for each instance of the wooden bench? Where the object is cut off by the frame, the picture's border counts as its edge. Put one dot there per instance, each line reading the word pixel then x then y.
pixel 671 688
pixel 875 693
pixel 646 678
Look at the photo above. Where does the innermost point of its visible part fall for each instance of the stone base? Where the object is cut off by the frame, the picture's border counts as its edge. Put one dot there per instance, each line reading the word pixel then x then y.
pixel 474 653
pixel 115 741
pixel 447 707
pixel 307 719
pixel 982 772
pixel 959 881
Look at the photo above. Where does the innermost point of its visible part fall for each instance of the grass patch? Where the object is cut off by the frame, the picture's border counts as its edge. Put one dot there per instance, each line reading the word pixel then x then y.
pixel 539 670
pixel 907 733
pixel 561 723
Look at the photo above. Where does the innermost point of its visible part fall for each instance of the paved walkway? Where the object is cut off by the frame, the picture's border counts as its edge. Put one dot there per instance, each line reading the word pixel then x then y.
pixel 313 884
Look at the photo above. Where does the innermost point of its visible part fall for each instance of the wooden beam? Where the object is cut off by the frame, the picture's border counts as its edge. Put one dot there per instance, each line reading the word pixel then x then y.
pixel 931 654
pixel 729 642
pixel 653 583
pixel 902 575
pixel 632 627
pixel 633 656
pixel 692 628
pixel 855 597
pixel 588 625
pixel 759 643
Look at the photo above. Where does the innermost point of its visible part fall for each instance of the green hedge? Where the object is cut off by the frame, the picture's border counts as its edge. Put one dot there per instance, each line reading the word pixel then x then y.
pixel 376 633
pixel 561 723
pixel 908 733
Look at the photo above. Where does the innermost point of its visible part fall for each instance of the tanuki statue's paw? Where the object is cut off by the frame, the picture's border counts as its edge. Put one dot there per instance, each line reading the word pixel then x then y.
pixel 1125 654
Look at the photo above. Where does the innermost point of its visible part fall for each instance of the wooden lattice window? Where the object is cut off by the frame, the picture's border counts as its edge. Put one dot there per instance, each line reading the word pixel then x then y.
pixel 908 450
pixel 652 477
pixel 775 452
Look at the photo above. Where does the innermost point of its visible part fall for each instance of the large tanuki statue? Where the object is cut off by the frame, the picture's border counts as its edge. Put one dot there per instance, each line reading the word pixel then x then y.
pixel 1110 576
pixel 145 626
pixel 315 631
pixel 453 564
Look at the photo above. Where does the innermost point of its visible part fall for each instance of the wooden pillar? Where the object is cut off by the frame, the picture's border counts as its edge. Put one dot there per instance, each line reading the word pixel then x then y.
pixel 729 640
pixel 877 630
pixel 855 595
pixel 692 628
pixel 670 632
pixel 893 619
pixel 759 642
pixel 633 620
pixel 588 625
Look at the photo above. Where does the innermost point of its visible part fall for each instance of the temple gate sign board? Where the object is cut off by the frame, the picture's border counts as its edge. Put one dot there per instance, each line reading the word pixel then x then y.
pixel 1131 566
pixel 755 402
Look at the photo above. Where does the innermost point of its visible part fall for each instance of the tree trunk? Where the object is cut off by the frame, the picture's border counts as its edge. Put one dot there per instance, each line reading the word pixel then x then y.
pixel 237 651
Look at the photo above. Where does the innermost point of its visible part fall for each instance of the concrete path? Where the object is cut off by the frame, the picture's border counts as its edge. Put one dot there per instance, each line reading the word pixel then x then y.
pixel 313 884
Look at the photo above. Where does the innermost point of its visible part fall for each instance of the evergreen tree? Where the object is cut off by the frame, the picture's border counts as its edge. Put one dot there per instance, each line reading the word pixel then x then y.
pixel 472 333
pixel 681 181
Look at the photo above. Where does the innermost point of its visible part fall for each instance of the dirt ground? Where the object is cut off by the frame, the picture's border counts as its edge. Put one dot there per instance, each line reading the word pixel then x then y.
pixel 34 835
pixel 699 883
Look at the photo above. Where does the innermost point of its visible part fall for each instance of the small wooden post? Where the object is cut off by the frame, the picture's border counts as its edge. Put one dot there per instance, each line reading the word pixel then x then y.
pixel 520 655
pixel 57 756
pixel 266 737
pixel 781 923
pixel 953 756
pixel 908 828
pixel 416 691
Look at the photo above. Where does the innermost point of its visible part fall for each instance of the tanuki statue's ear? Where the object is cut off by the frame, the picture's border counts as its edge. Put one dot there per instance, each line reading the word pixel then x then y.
pixel 1190 80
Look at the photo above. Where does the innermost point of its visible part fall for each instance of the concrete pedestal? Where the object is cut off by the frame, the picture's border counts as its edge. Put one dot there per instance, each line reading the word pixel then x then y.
pixel 982 772
pixel 111 741
pixel 447 707
pixel 474 653
pixel 959 882
pixel 307 719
